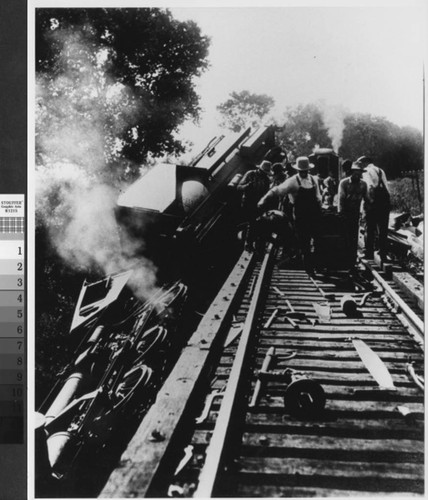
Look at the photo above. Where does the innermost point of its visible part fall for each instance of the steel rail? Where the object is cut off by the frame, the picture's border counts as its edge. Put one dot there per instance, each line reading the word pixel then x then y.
pixel 410 315
pixel 209 476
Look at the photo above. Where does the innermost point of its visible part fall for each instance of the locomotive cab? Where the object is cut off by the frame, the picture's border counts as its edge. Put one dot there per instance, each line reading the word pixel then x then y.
pixel 332 247
pixel 326 163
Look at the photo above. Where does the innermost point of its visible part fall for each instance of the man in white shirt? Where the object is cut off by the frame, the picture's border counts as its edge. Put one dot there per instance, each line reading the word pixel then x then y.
pixel 303 192
pixel 377 208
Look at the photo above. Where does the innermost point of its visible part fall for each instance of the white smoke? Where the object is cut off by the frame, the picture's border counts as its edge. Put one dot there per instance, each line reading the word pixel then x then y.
pixel 75 195
pixel 334 120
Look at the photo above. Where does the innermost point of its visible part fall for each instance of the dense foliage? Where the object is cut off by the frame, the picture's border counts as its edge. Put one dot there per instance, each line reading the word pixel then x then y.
pixel 303 129
pixel 128 73
pixel 244 109
pixel 307 126
pixel 396 149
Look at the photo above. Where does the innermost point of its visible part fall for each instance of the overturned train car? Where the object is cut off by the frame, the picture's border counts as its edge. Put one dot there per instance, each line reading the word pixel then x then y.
pixel 185 216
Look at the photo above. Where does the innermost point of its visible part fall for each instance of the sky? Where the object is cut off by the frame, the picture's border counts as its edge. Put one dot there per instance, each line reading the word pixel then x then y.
pixel 362 58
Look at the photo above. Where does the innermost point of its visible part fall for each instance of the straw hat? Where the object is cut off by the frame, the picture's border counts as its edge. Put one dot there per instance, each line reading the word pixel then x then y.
pixel 302 163
pixel 364 160
pixel 265 166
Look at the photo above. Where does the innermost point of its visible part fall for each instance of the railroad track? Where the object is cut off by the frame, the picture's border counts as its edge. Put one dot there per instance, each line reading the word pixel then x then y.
pixel 243 412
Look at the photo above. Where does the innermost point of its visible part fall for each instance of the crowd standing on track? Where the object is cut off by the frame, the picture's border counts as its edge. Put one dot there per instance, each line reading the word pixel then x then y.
pixel 361 195
pixel 254 184
pixel 352 191
pixel 377 207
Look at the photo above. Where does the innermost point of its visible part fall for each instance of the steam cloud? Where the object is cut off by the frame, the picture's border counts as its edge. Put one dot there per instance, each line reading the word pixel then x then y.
pixel 75 196
pixel 334 117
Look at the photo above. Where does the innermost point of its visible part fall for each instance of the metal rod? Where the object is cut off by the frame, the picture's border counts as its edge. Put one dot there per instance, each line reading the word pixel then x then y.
pixel 265 367
pixel 271 318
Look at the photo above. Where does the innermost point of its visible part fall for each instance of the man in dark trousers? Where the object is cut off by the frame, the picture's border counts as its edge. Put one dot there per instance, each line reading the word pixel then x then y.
pixel 305 197
pixel 352 190
pixel 254 184
pixel 377 208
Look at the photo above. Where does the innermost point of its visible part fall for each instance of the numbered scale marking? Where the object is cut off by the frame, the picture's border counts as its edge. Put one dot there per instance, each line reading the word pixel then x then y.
pixel 12 319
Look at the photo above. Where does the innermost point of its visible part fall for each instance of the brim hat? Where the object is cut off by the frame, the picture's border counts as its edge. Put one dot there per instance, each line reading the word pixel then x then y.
pixel 357 167
pixel 303 163
pixel 266 166
pixel 364 159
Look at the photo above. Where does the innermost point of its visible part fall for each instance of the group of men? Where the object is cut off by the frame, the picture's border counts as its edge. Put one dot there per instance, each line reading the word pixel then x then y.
pixel 267 187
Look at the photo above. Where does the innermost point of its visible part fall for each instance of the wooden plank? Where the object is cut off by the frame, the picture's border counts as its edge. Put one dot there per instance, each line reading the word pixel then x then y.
pixel 265 342
pixel 402 395
pixel 410 286
pixel 247 490
pixel 332 443
pixel 336 322
pixel 278 482
pixel 337 315
pixel 364 409
pixel 283 326
pixel 142 459
pixel 307 467
pixel 315 336
pixel 344 353
pixel 379 428
pixel 362 378
pixel 392 428
pixel 332 365
pixel 375 310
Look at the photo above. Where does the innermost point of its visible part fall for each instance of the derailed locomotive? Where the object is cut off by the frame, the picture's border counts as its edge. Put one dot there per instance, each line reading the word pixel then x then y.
pixel 180 217
pixel 185 215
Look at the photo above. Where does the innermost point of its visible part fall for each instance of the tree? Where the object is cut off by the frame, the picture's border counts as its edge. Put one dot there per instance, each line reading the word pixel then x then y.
pixel 119 82
pixel 304 129
pixel 393 148
pixel 243 110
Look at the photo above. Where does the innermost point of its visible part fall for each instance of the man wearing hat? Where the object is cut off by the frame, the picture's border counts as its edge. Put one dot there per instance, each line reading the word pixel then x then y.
pixel 377 207
pixel 352 190
pixel 304 195
pixel 254 184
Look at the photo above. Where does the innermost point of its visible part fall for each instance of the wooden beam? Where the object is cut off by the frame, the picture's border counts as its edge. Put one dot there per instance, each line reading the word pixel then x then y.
pixel 410 286
pixel 143 458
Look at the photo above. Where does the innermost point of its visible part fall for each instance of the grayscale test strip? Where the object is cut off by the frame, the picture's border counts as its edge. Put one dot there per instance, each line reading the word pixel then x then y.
pixel 12 318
